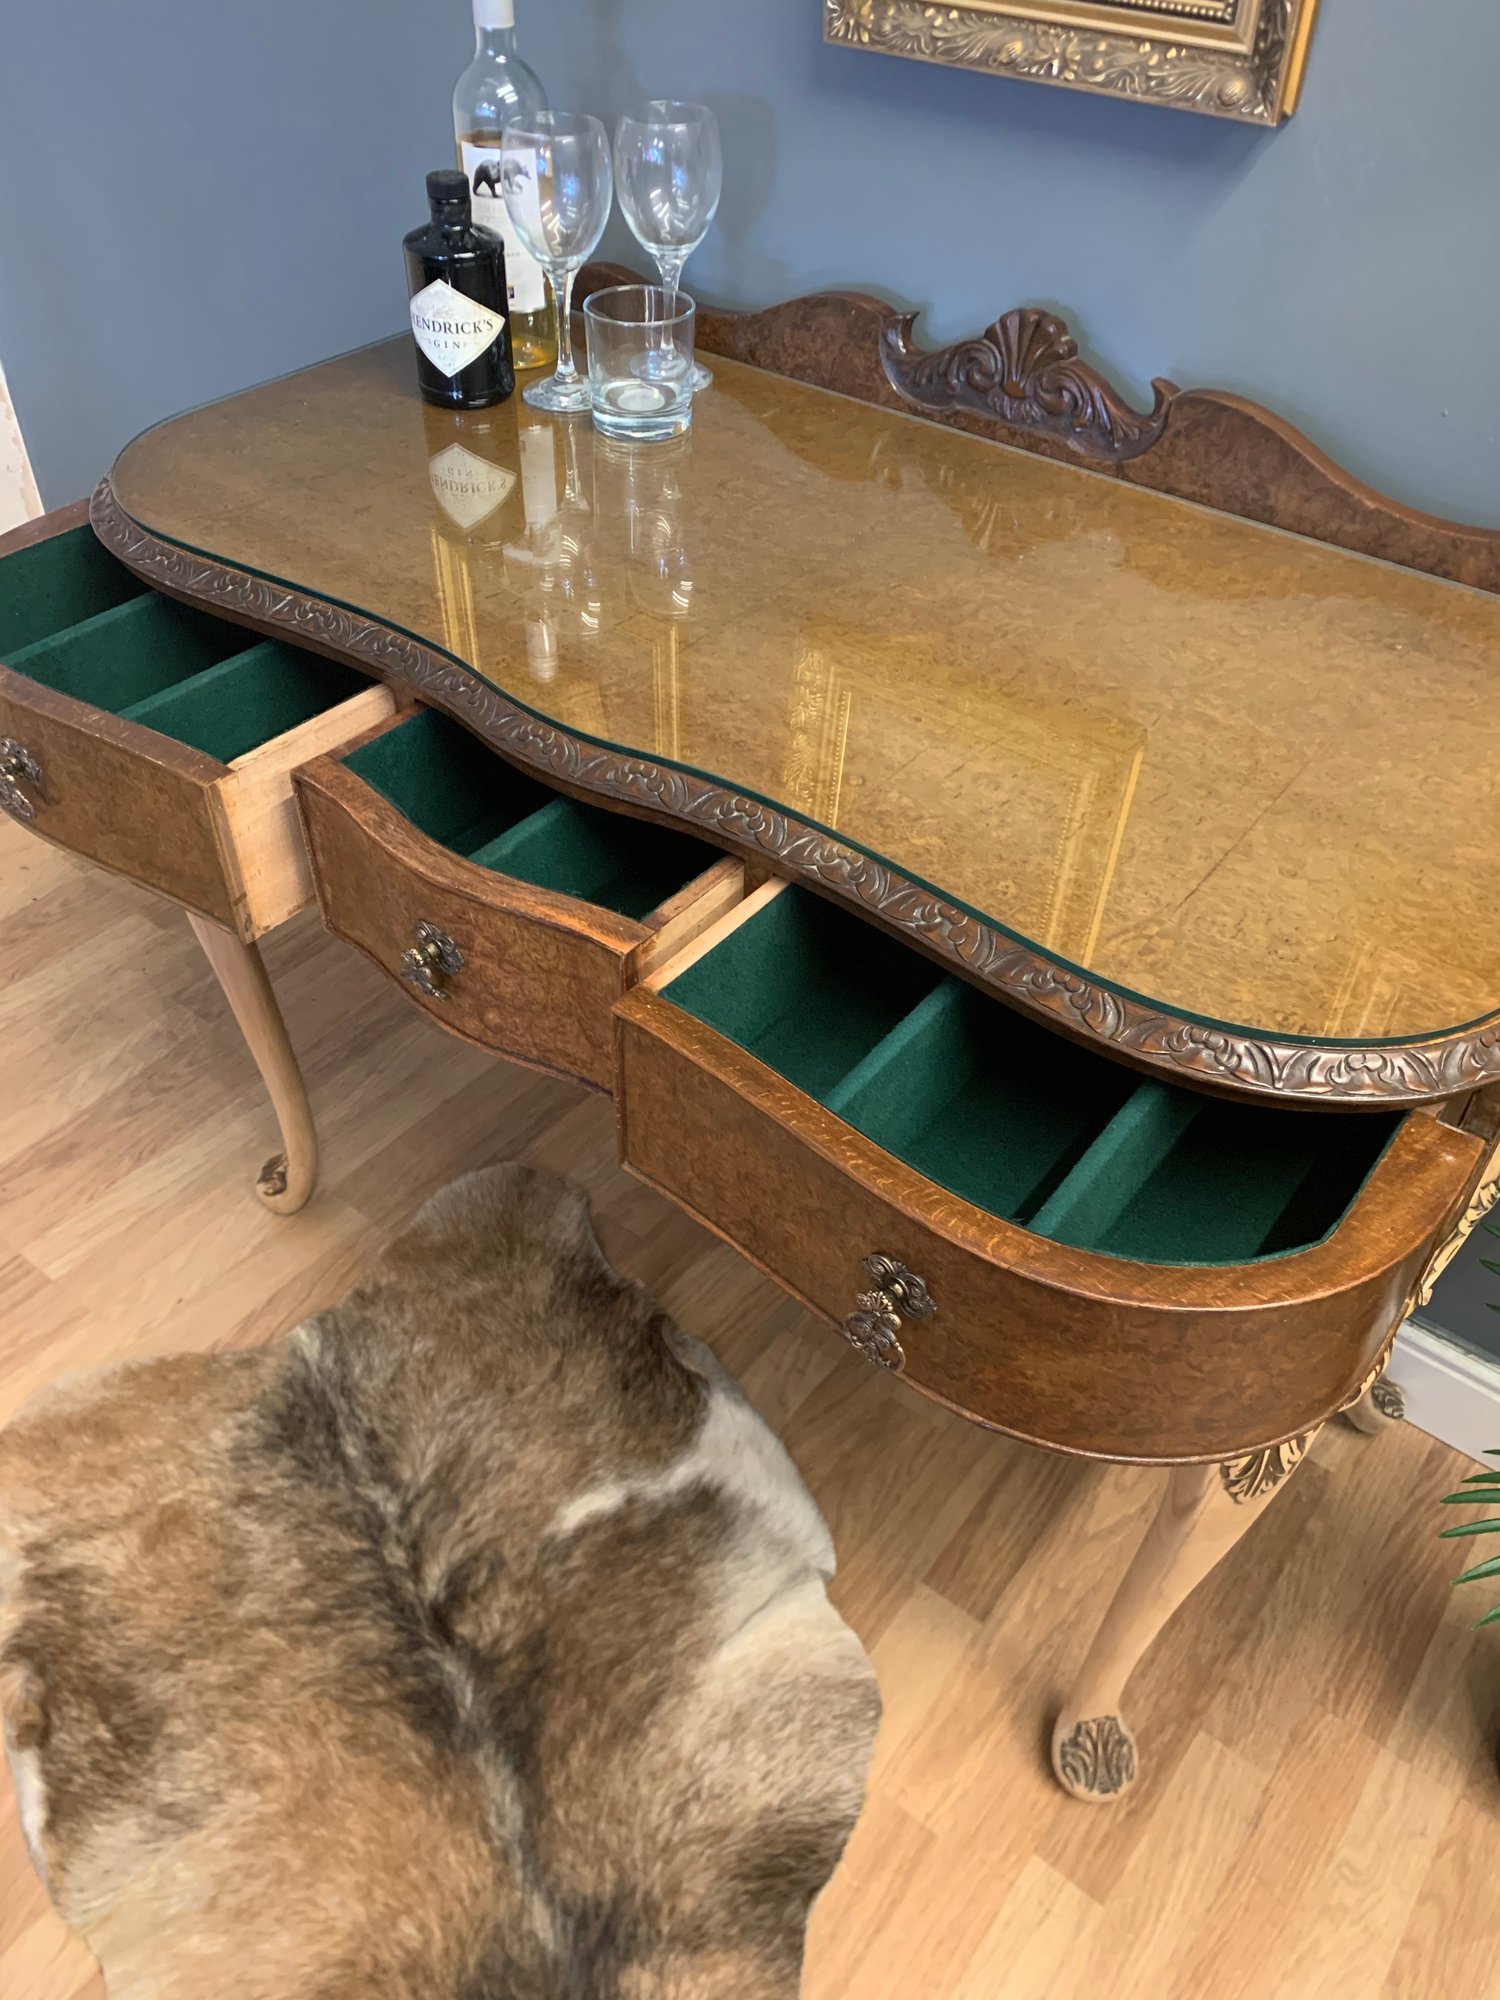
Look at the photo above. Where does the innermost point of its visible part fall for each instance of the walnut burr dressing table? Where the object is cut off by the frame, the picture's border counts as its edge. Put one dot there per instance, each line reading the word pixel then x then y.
pixel 1016 860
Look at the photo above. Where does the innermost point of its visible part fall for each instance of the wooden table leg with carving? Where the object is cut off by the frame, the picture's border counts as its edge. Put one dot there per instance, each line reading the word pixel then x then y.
pixel 1203 1513
pixel 286 1180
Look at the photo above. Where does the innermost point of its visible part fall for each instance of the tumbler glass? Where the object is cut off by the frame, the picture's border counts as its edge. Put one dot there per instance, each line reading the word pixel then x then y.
pixel 640 346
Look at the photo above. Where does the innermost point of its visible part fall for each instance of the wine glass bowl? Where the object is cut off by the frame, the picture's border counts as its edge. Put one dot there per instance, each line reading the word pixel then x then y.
pixel 558 185
pixel 669 171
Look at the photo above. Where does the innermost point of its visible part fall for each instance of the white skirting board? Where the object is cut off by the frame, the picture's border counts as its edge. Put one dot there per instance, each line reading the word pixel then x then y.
pixel 1451 1392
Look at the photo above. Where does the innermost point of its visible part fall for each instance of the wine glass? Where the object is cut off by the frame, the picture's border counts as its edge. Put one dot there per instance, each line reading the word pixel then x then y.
pixel 670 174
pixel 556 180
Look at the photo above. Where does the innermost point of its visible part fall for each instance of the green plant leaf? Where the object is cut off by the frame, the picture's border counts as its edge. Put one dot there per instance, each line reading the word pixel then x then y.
pixel 1469 1528
pixel 1477 1496
pixel 1490 1568
pixel 1488 1618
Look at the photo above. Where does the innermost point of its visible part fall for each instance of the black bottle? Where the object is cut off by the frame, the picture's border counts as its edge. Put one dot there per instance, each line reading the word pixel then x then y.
pixel 460 308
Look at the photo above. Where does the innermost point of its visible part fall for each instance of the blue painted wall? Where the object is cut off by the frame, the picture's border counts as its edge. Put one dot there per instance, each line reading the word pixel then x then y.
pixel 251 165
pixel 198 194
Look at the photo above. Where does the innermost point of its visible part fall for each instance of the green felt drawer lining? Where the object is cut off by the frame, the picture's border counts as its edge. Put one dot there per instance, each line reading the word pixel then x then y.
pixel 472 802
pixel 118 657
pixel 1013 1118
pixel 239 703
pixel 806 987
pixel 57 583
pixel 1132 1145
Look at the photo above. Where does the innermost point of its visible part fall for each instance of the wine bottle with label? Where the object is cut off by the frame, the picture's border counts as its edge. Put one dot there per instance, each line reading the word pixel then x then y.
pixel 496 90
pixel 455 275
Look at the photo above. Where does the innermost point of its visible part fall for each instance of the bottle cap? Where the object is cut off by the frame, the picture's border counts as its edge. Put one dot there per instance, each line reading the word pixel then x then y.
pixel 447 186
pixel 494 13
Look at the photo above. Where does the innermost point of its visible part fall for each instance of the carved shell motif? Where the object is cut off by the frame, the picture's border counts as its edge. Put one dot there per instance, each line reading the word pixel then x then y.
pixel 1025 372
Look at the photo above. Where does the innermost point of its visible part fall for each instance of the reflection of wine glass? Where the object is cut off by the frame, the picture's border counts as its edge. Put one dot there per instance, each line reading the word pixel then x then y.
pixel 670 173
pixel 555 176
pixel 557 568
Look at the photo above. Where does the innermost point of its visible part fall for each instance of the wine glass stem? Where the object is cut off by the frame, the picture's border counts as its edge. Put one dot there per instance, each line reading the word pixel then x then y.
pixel 670 267
pixel 562 295
pixel 671 277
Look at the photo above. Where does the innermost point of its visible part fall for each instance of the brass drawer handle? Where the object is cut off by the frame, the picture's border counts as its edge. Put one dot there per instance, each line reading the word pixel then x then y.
pixel 16 763
pixel 874 1327
pixel 433 952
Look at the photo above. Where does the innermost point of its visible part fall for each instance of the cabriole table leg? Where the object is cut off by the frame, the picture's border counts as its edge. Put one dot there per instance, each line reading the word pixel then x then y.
pixel 1203 1513
pixel 286 1180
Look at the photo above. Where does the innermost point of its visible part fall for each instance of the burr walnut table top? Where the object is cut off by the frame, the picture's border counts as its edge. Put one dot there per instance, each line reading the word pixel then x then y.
pixel 1240 776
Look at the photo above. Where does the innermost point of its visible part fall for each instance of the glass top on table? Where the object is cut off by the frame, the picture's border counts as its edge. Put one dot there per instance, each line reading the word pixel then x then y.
pixel 1245 776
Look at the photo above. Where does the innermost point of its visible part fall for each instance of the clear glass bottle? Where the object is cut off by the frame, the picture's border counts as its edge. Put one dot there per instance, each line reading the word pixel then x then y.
pixel 494 91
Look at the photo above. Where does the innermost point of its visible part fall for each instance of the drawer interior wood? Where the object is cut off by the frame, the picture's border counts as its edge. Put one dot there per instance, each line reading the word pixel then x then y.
pixel 153 661
pixel 460 794
pixel 1013 1118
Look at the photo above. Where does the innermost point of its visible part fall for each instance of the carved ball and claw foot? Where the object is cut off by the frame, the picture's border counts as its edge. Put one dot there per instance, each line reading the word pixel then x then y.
pixel 1203 1513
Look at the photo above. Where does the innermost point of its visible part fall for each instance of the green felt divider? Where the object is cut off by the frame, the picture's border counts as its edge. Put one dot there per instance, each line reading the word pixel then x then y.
pixel 805 987
pixel 120 656
pixel 1013 1118
pixel 1131 1147
pixel 57 583
pixel 459 793
pixel 600 857
pixel 446 782
pixel 242 702
pixel 1241 1182
pixel 981 1100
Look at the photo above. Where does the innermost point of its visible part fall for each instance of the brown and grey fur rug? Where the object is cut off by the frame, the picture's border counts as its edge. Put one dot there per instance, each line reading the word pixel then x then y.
pixel 470 1643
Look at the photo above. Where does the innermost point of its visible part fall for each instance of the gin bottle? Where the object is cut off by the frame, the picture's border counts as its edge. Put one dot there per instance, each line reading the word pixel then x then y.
pixel 455 275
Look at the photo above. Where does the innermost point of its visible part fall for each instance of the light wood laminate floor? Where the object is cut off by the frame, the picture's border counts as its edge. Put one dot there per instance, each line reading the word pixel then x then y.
pixel 1319 1813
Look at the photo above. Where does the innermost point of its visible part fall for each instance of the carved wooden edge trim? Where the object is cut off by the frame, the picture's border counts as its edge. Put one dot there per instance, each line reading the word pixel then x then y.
pixel 1411 1073
pixel 1257 85
pixel 1021 383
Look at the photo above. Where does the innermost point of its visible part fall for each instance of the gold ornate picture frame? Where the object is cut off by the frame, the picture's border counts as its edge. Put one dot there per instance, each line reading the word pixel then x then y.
pixel 1239 59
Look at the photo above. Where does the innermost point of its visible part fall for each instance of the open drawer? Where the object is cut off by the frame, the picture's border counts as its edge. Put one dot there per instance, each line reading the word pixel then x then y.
pixel 1038 1236
pixel 155 739
pixel 513 915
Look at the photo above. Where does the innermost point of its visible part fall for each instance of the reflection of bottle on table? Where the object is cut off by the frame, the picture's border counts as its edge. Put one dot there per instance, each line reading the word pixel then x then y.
pixel 471 470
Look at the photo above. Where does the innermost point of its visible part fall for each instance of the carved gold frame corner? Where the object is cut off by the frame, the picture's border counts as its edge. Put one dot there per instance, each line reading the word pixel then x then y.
pixel 1237 59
